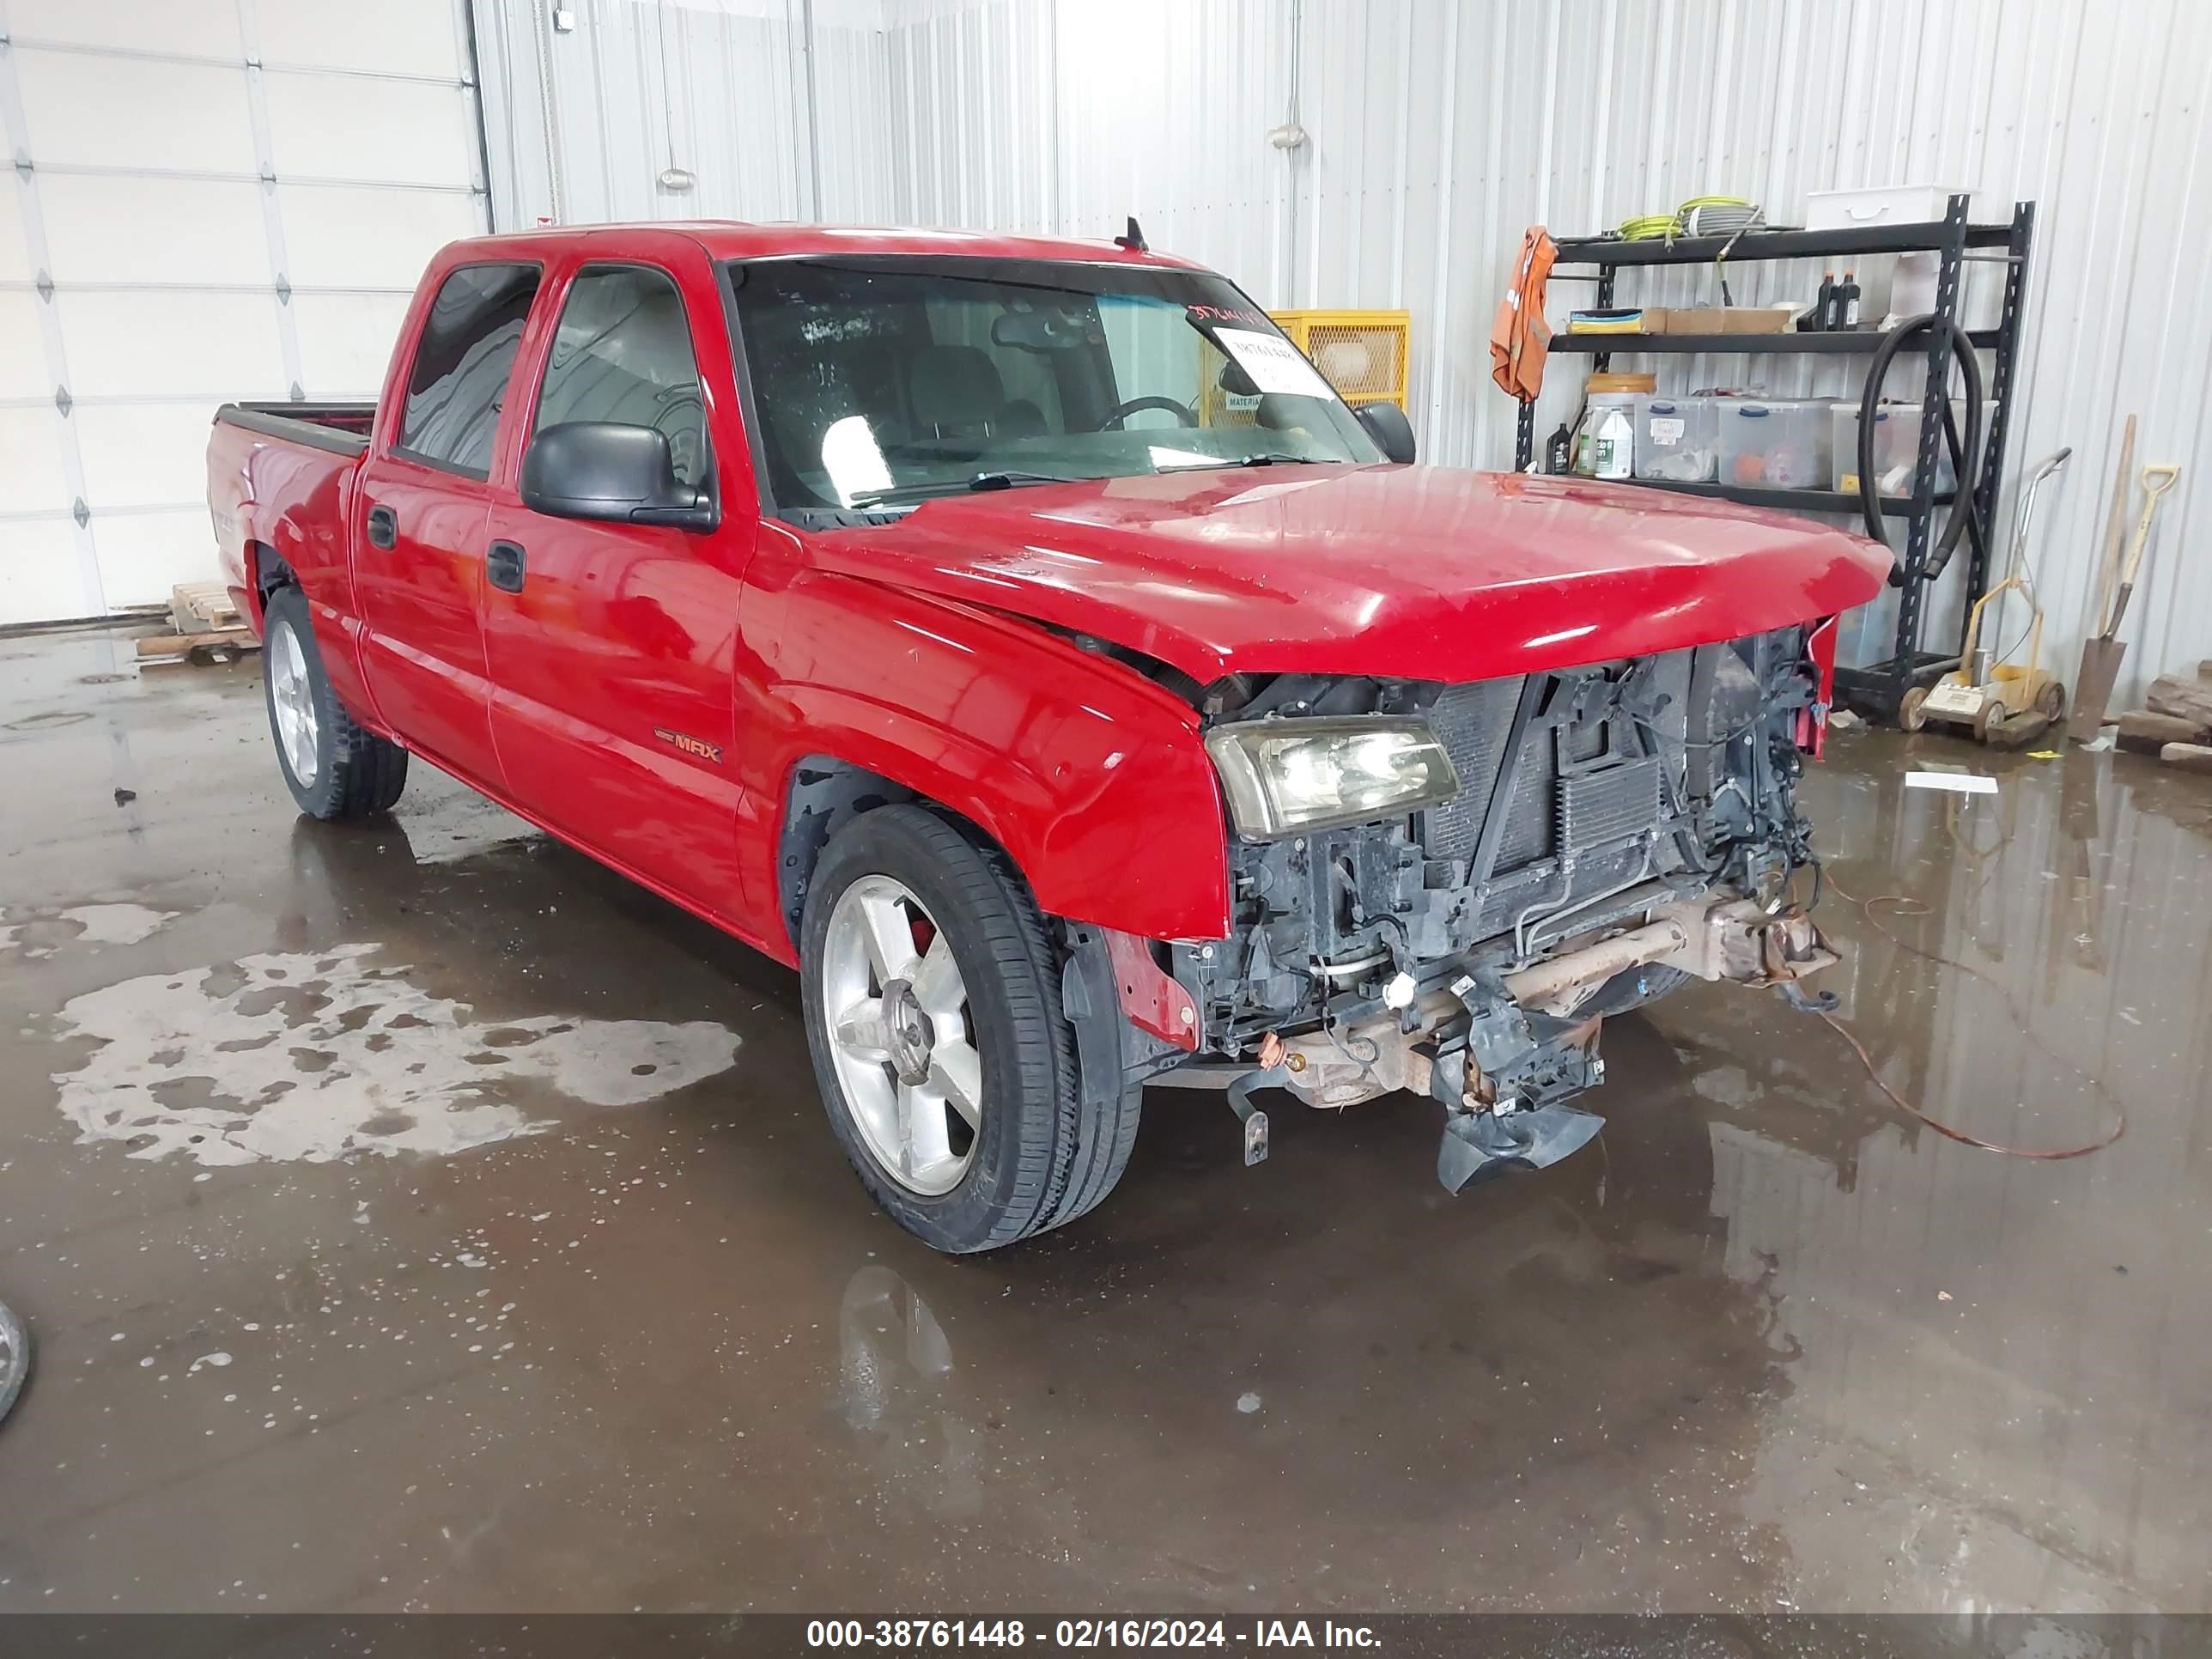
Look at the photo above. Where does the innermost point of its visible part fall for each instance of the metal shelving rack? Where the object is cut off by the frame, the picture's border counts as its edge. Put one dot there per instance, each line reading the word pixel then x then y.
pixel 1874 690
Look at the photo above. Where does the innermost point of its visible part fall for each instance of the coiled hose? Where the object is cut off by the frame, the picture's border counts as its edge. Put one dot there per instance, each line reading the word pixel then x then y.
pixel 1965 450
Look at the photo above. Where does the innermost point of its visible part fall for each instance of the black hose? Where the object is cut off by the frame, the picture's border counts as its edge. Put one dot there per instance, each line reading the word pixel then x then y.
pixel 1965 454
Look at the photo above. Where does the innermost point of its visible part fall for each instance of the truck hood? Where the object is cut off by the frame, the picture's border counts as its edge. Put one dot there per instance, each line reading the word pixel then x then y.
pixel 1416 572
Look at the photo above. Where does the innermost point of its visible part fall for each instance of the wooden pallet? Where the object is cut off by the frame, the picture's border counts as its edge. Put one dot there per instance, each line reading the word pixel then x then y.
pixel 208 627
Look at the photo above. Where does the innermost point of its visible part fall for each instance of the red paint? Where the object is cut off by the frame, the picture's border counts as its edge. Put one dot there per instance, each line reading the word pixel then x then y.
pixel 1150 995
pixel 913 649
pixel 1428 573
pixel 1812 723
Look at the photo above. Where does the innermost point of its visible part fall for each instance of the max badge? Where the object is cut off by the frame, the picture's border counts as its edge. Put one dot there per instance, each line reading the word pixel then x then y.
pixel 697 748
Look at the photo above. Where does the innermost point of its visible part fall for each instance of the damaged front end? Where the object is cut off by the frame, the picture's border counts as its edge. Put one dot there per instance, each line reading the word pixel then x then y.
pixel 1580 841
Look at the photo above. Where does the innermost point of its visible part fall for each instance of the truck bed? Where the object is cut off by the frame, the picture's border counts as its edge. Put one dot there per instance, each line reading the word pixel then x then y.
pixel 280 478
pixel 340 428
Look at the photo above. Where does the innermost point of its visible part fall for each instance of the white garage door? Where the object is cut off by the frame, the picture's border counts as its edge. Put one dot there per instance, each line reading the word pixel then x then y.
pixel 211 200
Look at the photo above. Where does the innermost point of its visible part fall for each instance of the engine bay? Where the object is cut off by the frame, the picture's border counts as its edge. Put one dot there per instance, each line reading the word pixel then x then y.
pixel 1611 821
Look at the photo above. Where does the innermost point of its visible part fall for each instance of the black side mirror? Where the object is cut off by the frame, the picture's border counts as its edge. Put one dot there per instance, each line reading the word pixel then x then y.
pixel 607 471
pixel 1393 433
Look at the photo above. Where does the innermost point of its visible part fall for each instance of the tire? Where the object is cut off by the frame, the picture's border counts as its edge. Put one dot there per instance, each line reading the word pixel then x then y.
pixel 1036 1157
pixel 1910 710
pixel 1631 989
pixel 351 772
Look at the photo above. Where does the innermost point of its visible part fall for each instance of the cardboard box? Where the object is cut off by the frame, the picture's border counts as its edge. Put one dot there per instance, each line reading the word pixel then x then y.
pixel 1725 319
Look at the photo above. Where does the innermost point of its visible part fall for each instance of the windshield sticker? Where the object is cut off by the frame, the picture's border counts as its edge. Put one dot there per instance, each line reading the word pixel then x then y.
pixel 1209 316
pixel 1272 362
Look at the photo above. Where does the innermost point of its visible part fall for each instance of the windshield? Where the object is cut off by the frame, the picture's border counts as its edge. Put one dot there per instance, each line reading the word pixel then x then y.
pixel 879 384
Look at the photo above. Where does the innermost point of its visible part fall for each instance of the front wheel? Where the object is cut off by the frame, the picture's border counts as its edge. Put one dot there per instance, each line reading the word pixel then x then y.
pixel 335 767
pixel 931 995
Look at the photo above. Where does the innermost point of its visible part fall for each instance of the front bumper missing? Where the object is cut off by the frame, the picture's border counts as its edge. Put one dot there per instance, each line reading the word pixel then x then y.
pixel 1503 1053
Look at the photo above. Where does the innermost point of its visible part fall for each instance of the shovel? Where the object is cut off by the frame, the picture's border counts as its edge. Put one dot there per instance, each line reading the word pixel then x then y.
pixel 2102 654
pixel 2092 685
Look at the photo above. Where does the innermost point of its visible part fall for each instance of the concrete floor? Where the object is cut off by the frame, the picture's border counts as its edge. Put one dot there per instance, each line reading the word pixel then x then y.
pixel 550 1289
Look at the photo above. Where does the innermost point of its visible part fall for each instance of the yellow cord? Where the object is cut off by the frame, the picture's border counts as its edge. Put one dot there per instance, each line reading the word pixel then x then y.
pixel 1656 227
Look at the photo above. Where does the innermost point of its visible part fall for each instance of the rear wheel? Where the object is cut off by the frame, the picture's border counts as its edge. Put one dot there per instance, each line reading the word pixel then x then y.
pixel 335 767
pixel 932 997
pixel 1911 708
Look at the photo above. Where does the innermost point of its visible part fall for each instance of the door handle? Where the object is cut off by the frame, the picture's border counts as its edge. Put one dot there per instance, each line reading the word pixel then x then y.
pixel 503 563
pixel 383 527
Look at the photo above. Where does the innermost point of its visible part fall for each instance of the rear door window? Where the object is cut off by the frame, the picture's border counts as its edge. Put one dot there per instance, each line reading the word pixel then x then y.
pixel 622 353
pixel 467 350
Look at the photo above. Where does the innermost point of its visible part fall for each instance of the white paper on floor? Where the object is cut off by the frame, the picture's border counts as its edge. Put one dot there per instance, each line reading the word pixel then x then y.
pixel 1964 783
pixel 316 1055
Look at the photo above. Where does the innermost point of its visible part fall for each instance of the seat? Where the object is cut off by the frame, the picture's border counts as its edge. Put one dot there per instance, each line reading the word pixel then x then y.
pixel 955 392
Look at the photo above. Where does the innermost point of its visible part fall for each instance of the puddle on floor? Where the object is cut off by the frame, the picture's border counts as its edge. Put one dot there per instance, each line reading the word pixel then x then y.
pixel 318 1055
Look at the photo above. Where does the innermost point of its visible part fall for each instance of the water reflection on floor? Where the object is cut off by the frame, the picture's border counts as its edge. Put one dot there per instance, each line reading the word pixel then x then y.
pixel 1766 1344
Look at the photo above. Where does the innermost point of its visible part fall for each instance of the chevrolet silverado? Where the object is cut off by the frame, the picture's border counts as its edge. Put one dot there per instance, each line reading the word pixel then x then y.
pixel 1022 640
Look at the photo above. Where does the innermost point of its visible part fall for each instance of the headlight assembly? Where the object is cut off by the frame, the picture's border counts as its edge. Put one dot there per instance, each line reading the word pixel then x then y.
pixel 1286 776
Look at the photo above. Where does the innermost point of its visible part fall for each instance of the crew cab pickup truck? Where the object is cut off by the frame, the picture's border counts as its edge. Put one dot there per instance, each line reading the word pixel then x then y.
pixel 1022 640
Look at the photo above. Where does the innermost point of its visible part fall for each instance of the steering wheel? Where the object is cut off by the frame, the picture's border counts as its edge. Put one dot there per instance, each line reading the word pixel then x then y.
pixel 1183 412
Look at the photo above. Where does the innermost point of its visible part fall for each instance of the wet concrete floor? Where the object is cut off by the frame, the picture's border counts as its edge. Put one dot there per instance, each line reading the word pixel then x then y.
pixel 417 1217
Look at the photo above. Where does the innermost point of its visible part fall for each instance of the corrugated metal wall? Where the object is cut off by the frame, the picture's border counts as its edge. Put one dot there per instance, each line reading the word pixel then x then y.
pixel 1436 133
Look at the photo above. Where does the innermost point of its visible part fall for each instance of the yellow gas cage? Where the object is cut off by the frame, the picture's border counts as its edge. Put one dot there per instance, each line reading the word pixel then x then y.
pixel 1362 353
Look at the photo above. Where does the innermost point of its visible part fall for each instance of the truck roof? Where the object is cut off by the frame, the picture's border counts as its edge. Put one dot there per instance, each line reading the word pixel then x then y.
pixel 734 239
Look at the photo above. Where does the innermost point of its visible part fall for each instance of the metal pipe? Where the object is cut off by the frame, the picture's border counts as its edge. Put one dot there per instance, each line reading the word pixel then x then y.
pixel 1553 980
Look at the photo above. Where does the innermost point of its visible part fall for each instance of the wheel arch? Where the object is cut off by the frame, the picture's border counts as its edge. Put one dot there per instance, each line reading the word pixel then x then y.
pixel 821 794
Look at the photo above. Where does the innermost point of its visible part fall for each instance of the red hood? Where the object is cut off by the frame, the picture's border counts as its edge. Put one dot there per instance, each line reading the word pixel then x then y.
pixel 1417 572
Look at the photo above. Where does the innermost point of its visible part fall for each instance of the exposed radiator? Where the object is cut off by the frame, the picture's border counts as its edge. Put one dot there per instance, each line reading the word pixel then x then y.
pixel 1471 721
pixel 1603 806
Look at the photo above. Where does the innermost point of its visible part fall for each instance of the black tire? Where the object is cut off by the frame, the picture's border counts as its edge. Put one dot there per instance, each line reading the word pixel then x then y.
pixel 1040 1158
pixel 357 774
pixel 1632 988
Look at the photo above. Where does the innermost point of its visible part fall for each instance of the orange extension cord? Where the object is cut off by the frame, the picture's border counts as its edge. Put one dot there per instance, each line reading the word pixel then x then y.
pixel 1903 905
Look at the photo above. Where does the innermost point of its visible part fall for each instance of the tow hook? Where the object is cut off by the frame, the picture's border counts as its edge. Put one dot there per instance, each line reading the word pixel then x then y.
pixel 1274 1072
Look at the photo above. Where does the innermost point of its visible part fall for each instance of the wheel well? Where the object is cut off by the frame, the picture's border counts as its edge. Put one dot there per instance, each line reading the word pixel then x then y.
pixel 270 570
pixel 825 795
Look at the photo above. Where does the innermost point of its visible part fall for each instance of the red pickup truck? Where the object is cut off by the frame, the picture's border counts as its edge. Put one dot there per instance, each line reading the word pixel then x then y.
pixel 1021 639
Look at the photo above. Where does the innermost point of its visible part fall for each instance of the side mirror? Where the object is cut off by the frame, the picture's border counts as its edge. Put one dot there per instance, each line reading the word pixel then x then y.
pixel 1393 433
pixel 606 470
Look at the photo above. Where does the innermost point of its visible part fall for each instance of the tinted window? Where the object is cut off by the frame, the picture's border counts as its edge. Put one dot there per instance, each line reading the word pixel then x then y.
pixel 889 380
pixel 622 353
pixel 462 362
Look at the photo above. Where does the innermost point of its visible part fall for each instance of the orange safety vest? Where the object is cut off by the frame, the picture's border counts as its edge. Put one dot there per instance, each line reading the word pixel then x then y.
pixel 1520 337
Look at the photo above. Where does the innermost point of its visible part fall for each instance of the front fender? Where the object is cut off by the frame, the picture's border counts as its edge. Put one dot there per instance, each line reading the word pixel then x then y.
pixel 1094 780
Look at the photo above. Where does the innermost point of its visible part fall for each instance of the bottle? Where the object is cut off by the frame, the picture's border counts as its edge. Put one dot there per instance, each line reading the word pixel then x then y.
pixel 1818 322
pixel 1612 449
pixel 1847 302
pixel 1555 451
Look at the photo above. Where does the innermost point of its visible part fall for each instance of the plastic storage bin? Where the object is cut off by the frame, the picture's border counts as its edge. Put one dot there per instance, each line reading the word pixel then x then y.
pixel 1774 445
pixel 1896 448
pixel 1678 439
pixel 1877 204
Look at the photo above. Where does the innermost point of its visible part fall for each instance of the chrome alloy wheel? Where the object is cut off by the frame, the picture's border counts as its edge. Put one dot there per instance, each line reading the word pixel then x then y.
pixel 292 698
pixel 897 1015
